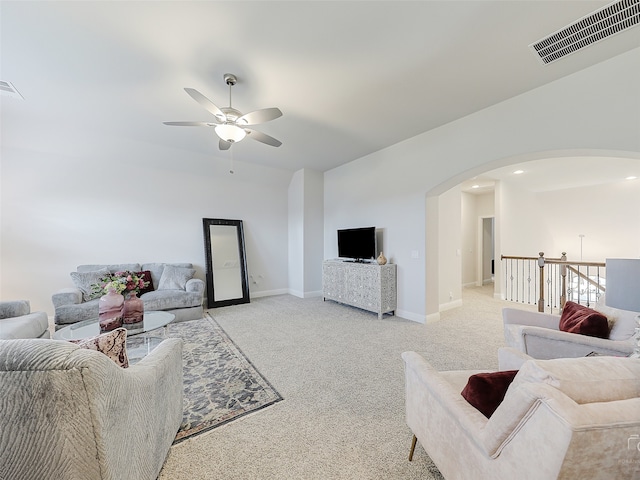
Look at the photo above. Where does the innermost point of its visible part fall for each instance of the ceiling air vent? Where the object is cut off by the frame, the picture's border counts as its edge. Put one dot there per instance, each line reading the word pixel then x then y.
pixel 7 88
pixel 609 20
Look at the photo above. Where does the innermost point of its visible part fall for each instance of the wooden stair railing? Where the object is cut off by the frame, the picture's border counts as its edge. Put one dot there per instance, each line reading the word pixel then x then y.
pixel 528 278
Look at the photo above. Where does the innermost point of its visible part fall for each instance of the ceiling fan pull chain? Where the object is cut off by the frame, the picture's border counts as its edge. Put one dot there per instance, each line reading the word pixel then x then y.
pixel 231 165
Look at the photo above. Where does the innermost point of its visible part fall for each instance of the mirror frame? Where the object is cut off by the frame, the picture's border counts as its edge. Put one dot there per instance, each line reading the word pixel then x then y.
pixel 211 303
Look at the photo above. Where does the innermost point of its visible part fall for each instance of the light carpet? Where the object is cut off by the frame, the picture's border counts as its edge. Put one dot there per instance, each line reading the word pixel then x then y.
pixel 340 370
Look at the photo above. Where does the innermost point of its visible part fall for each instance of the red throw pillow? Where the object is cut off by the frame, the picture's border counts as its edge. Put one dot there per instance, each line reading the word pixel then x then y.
pixel 584 321
pixel 146 278
pixel 485 391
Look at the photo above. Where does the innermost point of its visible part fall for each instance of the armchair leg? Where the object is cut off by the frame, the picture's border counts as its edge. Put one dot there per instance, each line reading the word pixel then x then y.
pixel 413 447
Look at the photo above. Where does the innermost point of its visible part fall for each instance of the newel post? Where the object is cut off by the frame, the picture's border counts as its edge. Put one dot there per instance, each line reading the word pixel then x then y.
pixel 541 266
pixel 563 274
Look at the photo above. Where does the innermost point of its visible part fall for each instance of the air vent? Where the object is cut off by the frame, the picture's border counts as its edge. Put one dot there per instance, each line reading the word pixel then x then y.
pixel 609 20
pixel 7 88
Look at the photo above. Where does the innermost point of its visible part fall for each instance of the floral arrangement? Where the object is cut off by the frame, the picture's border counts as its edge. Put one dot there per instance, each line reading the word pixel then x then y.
pixel 123 282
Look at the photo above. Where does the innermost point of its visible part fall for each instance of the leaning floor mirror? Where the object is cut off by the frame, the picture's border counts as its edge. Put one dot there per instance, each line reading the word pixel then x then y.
pixel 226 262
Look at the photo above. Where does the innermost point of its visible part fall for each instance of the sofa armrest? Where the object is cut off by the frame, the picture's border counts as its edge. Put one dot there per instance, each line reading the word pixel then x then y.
pixel 67 296
pixel 143 406
pixel 545 343
pixel 195 285
pixel 512 316
pixel 14 308
pixel 511 358
pixel 425 385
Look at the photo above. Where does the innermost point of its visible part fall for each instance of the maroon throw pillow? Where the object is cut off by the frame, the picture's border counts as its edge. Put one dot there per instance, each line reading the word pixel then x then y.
pixel 146 278
pixel 584 321
pixel 485 391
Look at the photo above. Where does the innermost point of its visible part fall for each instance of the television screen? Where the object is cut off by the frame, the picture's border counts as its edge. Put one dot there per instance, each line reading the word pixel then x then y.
pixel 357 243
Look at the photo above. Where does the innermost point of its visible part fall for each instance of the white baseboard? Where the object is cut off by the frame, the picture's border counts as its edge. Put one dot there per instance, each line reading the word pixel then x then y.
pixel 299 294
pixel 449 305
pixel 414 317
pixel 269 293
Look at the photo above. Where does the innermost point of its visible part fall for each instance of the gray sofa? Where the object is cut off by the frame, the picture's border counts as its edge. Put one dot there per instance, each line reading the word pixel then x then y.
pixel 184 298
pixel 72 413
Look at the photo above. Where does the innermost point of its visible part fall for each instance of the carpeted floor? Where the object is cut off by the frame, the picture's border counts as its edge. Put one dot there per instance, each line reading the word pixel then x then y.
pixel 340 371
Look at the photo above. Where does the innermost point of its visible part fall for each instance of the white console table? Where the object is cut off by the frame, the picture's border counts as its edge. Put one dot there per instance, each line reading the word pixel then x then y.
pixel 368 286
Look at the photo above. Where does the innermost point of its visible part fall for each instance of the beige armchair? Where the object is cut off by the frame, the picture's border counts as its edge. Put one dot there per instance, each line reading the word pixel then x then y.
pixel 538 335
pixel 560 419
pixel 72 413
pixel 17 321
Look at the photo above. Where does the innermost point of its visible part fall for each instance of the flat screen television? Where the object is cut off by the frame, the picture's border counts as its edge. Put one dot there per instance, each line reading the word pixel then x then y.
pixel 357 243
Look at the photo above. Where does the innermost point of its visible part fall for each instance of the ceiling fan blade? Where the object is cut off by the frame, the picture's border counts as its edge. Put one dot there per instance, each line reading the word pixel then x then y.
pixel 262 137
pixel 224 145
pixel 206 103
pixel 259 116
pixel 188 124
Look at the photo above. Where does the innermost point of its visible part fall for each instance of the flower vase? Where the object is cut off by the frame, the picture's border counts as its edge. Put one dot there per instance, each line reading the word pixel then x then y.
pixel 110 307
pixel 133 311
pixel 382 260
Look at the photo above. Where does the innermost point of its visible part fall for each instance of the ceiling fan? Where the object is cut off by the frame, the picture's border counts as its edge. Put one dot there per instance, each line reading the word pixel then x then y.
pixel 230 124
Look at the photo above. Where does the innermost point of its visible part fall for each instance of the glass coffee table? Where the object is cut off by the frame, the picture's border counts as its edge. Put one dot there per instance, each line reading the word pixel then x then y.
pixel 138 346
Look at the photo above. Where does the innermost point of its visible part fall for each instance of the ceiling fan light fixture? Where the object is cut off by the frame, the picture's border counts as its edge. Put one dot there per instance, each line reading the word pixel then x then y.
pixel 230 133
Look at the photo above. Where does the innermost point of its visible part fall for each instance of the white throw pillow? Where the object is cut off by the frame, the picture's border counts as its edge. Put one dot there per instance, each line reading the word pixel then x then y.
pixel 585 379
pixel 621 322
pixel 175 278
pixel 84 280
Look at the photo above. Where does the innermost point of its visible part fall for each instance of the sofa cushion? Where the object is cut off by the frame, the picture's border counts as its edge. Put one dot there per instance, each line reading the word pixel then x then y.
pixel 175 278
pixel 622 322
pixel 84 281
pixel 582 320
pixel 156 270
pixel 32 325
pixel 146 276
pixel 170 299
pixel 585 379
pixel 485 391
pixel 113 344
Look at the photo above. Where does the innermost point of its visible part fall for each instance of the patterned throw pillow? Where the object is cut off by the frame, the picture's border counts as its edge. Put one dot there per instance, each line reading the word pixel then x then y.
pixel 146 276
pixel 175 278
pixel 113 344
pixel 84 280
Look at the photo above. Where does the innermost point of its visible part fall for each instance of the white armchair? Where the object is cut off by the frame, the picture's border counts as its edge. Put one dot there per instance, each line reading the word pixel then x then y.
pixel 560 419
pixel 17 321
pixel 72 413
pixel 538 335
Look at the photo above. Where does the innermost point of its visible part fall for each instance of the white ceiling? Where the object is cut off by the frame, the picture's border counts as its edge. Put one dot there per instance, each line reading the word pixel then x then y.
pixel 350 77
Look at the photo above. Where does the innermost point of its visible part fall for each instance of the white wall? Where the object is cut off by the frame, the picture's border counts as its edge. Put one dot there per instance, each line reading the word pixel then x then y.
pixel 388 187
pixel 121 201
pixel 450 253
pixel 306 233
pixel 469 237
pixel 313 232
pixel 607 215
pixel 474 207
pixel 295 262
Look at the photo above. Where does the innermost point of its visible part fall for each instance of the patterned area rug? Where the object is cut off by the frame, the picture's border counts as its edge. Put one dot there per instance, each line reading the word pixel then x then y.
pixel 220 382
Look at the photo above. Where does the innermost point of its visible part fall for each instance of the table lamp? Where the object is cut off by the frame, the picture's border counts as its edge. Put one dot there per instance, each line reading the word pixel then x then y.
pixel 623 290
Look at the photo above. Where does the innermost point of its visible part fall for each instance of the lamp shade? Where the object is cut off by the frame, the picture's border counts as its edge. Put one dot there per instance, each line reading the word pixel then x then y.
pixel 623 283
pixel 230 133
